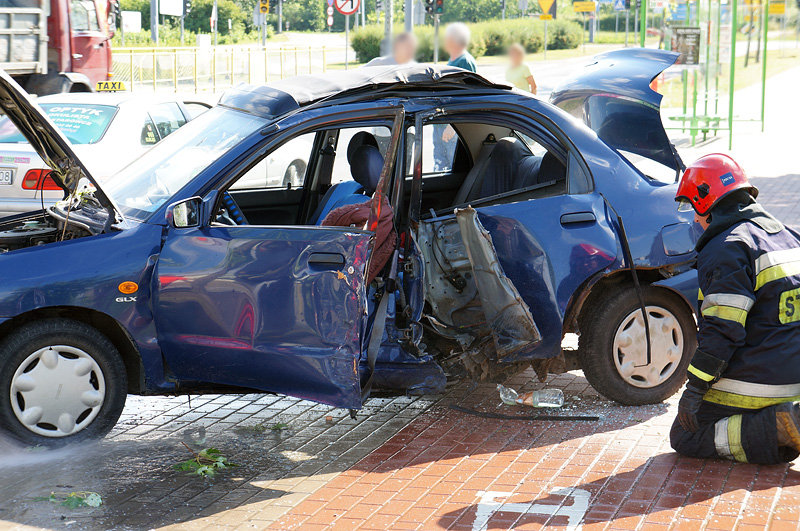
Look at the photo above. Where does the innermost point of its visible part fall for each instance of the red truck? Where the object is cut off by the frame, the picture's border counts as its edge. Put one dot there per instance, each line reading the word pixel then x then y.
pixel 52 46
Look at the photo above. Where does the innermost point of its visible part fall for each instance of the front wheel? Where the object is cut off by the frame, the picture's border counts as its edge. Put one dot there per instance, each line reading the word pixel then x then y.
pixel 613 346
pixel 60 381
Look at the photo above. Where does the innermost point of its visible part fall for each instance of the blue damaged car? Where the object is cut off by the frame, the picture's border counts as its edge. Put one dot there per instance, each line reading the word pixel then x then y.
pixel 199 269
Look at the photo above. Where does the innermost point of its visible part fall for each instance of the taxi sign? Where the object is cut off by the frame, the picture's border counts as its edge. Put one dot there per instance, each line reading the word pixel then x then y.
pixel 109 86
pixel 545 16
pixel 583 6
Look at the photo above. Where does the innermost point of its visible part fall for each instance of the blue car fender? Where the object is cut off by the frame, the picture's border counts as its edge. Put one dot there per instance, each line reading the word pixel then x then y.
pixel 684 284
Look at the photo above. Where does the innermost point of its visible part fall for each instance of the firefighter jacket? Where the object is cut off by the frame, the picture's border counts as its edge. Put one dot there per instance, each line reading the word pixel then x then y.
pixel 749 325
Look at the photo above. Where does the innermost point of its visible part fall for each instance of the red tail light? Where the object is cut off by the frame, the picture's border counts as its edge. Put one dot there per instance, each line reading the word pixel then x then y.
pixel 33 181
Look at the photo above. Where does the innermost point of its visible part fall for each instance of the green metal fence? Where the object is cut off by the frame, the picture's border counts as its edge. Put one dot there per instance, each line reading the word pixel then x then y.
pixel 213 68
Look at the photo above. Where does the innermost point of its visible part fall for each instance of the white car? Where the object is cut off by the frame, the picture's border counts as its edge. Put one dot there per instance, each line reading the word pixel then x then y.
pixel 107 130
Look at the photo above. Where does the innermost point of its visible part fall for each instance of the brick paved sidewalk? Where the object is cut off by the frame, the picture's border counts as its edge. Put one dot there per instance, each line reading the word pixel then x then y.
pixel 451 470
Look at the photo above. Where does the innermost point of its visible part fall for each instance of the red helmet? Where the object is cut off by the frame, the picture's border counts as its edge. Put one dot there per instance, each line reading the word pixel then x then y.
pixel 710 178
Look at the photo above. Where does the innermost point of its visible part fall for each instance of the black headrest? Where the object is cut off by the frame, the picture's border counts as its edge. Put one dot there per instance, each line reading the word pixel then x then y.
pixel 551 169
pixel 362 138
pixel 365 167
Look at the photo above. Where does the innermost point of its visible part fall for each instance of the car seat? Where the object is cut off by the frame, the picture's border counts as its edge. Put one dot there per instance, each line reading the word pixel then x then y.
pixel 366 164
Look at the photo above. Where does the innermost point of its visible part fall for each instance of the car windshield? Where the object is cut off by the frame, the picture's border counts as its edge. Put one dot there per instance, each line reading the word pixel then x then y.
pixel 143 186
pixel 81 123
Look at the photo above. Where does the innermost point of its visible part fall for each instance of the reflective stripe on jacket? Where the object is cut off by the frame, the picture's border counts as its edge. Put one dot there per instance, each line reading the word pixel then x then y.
pixel 749 304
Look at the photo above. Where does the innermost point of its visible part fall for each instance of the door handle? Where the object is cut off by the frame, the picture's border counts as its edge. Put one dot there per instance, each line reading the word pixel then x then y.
pixel 326 260
pixel 578 217
pixel 77 56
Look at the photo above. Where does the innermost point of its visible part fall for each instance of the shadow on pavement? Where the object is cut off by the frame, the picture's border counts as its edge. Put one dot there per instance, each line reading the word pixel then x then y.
pixel 654 493
pixel 141 490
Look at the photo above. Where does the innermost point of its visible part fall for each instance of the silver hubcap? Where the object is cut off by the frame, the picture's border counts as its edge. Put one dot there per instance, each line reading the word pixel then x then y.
pixel 630 347
pixel 57 391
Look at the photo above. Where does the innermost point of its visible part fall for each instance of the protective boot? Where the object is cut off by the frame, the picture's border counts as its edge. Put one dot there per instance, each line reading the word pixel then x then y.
pixel 787 418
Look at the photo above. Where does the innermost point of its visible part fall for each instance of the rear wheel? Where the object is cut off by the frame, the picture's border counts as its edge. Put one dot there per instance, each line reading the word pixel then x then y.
pixel 613 346
pixel 60 381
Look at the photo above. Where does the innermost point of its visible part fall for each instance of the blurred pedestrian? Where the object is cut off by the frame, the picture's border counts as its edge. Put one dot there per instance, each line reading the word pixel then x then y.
pixel 404 52
pixel 456 41
pixel 519 73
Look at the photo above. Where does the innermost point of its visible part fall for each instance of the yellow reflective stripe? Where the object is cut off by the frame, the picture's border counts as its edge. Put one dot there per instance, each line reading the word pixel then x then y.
pixel 728 299
pixel 777 272
pixel 724 398
pixel 729 313
pixel 700 296
pixel 700 374
pixel 773 258
pixel 735 438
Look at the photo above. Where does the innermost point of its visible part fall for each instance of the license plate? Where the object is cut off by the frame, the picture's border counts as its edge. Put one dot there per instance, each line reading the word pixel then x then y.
pixel 6 176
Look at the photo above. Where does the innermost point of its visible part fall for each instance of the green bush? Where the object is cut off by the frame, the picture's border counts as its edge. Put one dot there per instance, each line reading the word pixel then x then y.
pixel 366 41
pixel 563 34
pixel 488 38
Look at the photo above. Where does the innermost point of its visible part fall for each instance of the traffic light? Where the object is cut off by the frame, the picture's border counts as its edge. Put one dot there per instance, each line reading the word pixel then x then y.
pixel 429 6
pixel 627 4
pixel 378 5
pixel 440 7
pixel 263 6
pixel 187 7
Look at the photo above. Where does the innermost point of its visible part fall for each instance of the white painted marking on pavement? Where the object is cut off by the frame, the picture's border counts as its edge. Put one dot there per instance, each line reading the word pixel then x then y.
pixel 574 512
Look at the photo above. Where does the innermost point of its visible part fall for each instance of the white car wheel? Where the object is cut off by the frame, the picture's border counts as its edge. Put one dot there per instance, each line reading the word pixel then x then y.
pixel 630 347
pixel 57 391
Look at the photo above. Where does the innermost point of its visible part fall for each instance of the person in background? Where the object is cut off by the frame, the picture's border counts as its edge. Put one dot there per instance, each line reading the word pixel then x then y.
pixel 456 41
pixel 404 52
pixel 518 73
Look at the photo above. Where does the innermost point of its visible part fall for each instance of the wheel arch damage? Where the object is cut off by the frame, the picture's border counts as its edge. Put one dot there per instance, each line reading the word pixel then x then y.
pixel 104 323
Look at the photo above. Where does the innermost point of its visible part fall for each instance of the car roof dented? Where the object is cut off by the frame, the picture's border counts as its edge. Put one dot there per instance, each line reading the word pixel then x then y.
pixel 276 99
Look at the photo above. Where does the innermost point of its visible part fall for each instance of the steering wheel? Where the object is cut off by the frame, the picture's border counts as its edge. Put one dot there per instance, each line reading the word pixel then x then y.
pixel 231 214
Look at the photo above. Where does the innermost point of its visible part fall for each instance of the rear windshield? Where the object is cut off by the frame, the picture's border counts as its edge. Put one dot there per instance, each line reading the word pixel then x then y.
pixel 81 124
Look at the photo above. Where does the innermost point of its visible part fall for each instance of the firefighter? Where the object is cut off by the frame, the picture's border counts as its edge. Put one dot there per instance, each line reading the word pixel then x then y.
pixel 740 401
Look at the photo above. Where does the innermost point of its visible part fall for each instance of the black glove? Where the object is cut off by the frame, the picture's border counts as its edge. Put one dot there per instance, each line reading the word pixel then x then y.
pixel 688 406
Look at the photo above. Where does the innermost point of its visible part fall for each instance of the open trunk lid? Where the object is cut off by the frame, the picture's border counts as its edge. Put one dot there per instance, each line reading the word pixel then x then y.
pixel 613 96
pixel 48 141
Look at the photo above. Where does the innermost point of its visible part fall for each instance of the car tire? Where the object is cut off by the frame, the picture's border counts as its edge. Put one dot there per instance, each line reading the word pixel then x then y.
pixel 613 351
pixel 81 371
pixel 294 174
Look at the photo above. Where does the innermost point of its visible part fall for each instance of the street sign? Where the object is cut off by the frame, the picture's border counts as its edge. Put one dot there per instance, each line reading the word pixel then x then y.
pixel 330 3
pixel 330 21
pixel 131 21
pixel 171 7
pixel 329 11
pixel 548 8
pixel 584 6
pixel 619 5
pixel 686 41
pixel 777 7
pixel 545 16
pixel 347 7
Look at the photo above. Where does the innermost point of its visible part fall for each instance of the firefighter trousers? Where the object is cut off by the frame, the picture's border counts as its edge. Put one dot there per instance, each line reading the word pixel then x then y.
pixel 745 435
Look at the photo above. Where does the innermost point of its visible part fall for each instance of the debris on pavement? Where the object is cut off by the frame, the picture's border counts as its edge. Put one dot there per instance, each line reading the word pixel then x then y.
pixel 541 398
pixel 204 463
pixel 74 500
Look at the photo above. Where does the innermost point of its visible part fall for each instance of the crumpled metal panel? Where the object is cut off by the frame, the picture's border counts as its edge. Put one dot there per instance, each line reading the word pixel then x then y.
pixel 507 315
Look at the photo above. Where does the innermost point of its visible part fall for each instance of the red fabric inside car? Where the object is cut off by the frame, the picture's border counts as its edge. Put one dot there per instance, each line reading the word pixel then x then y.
pixel 356 216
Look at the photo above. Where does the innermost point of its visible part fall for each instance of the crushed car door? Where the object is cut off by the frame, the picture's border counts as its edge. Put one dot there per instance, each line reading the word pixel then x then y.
pixel 508 269
pixel 274 308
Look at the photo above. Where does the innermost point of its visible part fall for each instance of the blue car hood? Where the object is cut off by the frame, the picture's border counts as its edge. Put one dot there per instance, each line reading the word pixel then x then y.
pixel 613 97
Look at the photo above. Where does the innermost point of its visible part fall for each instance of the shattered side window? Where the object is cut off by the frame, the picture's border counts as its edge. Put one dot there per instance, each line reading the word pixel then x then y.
pixel 439 151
